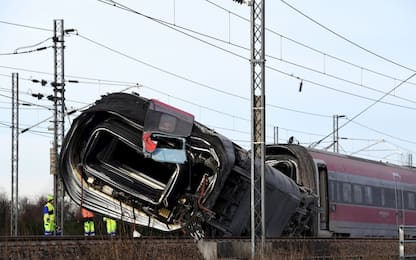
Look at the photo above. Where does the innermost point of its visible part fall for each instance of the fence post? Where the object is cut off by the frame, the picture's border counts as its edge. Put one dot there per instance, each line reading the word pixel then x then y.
pixel 401 241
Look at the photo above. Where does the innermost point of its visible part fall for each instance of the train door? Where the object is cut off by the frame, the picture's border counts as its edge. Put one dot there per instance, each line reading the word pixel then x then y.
pixel 323 195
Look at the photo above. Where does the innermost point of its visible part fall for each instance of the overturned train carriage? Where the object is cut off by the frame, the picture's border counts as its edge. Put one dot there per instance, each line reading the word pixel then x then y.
pixel 148 163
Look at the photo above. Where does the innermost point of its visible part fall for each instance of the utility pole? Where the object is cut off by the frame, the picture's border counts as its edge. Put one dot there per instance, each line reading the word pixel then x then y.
pixel 14 212
pixel 258 123
pixel 258 133
pixel 276 135
pixel 335 119
pixel 59 118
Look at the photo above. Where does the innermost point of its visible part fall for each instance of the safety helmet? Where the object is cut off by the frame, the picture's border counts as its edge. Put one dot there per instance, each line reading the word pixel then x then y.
pixel 49 197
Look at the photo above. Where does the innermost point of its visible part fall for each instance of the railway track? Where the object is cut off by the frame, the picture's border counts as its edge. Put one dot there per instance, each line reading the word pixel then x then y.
pixel 79 247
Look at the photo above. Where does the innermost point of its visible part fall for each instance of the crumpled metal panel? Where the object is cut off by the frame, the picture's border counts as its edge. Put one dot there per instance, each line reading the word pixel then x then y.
pixel 105 169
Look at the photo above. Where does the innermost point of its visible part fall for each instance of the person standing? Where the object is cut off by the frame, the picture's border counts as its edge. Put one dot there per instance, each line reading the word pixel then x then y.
pixel 88 216
pixel 111 226
pixel 49 216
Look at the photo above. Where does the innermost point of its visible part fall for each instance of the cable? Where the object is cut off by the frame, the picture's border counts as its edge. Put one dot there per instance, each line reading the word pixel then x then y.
pixel 25 52
pixel 366 109
pixel 131 57
pixel 34 45
pixel 26 26
pixel 27 102
pixel 188 79
pixel 383 133
pixel 273 57
pixel 311 48
pixel 34 132
pixel 117 5
pixel 204 85
pixel 346 39
pixel 338 90
pixel 340 78
pixel 231 94
pixel 8 124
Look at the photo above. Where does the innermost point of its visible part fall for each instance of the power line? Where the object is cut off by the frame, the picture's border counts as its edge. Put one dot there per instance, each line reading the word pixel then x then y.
pixel 366 109
pixel 27 102
pixel 325 54
pixel 188 79
pixel 5 123
pixel 120 6
pixel 101 82
pixel 157 68
pixel 338 90
pixel 34 132
pixel 26 26
pixel 29 46
pixel 25 52
pixel 281 59
pixel 383 133
pixel 134 84
pixel 346 39
pixel 115 4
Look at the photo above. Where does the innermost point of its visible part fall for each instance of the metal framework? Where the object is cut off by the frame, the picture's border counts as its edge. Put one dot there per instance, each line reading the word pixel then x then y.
pixel 59 117
pixel 14 209
pixel 258 116
pixel 335 123
pixel 275 135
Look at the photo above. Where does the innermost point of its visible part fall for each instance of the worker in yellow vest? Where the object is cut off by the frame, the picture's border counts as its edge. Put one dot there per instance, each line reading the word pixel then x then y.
pixel 49 216
pixel 111 226
pixel 88 216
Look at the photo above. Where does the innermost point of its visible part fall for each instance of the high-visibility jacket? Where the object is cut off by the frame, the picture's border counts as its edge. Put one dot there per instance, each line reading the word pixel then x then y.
pixel 111 226
pixel 49 218
pixel 89 228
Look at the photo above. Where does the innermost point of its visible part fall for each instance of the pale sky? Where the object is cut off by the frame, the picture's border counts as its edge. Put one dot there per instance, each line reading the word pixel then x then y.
pixel 209 75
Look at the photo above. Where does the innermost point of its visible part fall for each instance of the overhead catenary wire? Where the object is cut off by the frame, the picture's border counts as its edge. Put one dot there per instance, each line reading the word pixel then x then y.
pixel 364 110
pixel 25 52
pixel 273 57
pixel 122 83
pixel 28 102
pixel 115 4
pixel 123 7
pixel 267 29
pixel 306 46
pixel 102 81
pixel 164 71
pixel 26 26
pixel 346 39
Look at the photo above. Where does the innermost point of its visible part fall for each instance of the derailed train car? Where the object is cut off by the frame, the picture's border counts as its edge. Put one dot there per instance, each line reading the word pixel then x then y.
pixel 145 162
pixel 148 163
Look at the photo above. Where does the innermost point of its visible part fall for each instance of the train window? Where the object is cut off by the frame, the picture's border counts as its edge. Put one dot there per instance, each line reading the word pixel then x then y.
pixel 411 200
pixel 331 191
pixel 390 199
pixel 338 191
pixel 358 194
pixel 368 195
pixel 346 192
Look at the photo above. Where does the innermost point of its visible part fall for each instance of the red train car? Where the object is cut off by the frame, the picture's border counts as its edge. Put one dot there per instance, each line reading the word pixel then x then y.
pixel 357 197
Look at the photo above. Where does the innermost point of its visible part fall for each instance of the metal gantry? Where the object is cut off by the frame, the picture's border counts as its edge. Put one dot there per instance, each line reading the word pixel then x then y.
pixel 258 116
pixel 59 117
pixel 14 206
